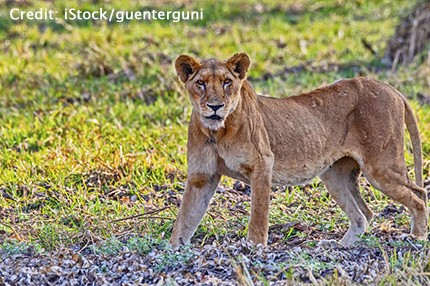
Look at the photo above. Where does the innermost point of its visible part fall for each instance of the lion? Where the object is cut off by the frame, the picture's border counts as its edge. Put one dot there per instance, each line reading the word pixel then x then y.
pixel 336 132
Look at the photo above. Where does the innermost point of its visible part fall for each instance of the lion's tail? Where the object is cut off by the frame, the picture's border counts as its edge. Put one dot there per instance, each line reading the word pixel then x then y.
pixel 412 126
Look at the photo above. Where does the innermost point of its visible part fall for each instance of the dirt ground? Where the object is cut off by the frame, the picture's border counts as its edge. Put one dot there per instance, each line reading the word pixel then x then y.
pixel 313 257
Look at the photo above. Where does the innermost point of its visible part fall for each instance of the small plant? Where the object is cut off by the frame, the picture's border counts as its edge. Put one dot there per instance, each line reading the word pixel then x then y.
pixel 369 240
pixel 301 234
pixel 141 245
pixel 12 247
pixel 103 269
pixel 312 243
pixel 172 259
pixel 170 282
pixel 144 245
pixel 112 246
pixel 303 259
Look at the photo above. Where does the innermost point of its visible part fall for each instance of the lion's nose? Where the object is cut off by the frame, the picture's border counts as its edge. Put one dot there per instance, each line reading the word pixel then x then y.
pixel 215 107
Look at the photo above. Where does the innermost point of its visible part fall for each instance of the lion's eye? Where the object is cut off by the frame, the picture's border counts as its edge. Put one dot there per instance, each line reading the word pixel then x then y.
pixel 227 81
pixel 200 82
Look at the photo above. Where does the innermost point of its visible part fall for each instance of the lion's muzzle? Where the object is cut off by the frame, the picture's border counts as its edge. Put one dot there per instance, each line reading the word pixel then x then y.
pixel 215 117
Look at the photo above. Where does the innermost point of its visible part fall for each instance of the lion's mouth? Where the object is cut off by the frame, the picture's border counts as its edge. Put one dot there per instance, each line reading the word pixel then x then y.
pixel 215 117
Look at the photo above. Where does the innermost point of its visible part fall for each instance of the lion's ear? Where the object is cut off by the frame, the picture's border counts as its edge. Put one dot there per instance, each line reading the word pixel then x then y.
pixel 239 63
pixel 186 66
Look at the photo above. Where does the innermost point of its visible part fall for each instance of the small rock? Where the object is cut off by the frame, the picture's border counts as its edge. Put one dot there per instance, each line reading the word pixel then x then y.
pixel 269 268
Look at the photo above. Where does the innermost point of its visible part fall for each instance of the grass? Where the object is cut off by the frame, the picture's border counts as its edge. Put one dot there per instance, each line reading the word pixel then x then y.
pixel 93 120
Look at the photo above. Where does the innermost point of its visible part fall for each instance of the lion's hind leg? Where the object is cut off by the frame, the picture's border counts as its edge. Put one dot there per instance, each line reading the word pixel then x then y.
pixel 396 184
pixel 341 181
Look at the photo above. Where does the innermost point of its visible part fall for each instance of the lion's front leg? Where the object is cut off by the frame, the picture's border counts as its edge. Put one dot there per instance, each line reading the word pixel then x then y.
pixel 261 182
pixel 198 193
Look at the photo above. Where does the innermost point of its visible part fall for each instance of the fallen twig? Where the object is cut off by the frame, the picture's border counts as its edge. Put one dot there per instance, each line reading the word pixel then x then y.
pixel 18 237
pixel 159 217
pixel 368 46
pixel 284 225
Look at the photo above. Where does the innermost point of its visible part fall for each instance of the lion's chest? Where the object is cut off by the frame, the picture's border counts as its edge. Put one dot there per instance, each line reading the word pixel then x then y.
pixel 235 162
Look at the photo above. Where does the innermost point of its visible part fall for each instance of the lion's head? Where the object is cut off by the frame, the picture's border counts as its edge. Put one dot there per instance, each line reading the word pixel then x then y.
pixel 213 86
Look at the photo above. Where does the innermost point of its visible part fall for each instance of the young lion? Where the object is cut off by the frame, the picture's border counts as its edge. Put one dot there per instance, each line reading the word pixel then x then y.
pixel 335 132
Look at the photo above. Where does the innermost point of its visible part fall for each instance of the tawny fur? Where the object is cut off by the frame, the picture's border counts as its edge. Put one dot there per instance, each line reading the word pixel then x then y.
pixel 336 132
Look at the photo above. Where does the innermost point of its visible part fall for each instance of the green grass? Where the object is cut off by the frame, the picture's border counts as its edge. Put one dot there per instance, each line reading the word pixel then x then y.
pixel 83 143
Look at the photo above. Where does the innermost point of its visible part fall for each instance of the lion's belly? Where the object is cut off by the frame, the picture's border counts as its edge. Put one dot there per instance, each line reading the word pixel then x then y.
pixel 281 177
pixel 283 174
pixel 291 177
pixel 287 174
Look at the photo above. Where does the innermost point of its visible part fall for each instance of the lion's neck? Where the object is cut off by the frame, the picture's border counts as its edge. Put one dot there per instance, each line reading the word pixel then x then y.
pixel 247 90
pixel 247 102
